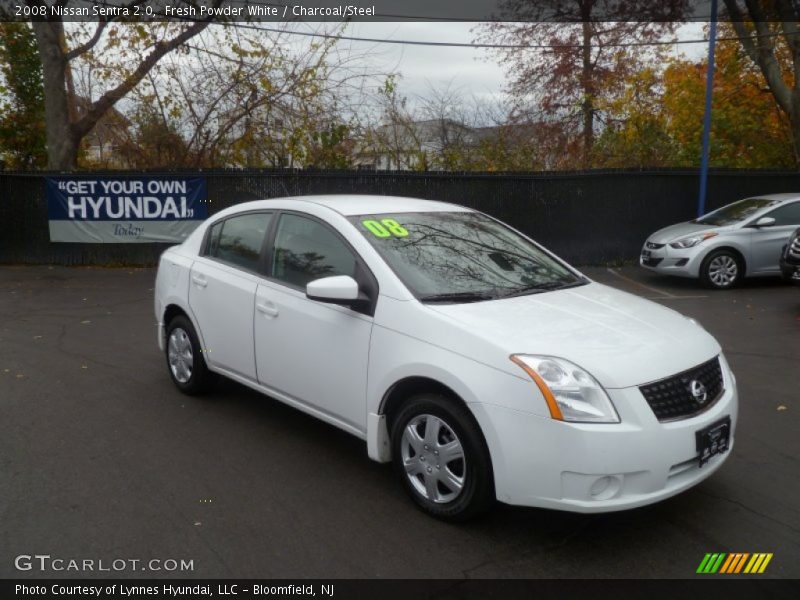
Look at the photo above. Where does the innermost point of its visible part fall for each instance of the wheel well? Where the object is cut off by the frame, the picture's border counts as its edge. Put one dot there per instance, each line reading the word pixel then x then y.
pixel 172 311
pixel 732 250
pixel 405 388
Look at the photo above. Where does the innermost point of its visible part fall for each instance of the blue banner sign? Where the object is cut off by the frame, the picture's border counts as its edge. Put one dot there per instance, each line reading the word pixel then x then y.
pixel 126 209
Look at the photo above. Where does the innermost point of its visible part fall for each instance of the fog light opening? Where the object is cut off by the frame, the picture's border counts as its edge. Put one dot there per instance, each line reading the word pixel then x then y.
pixel 605 488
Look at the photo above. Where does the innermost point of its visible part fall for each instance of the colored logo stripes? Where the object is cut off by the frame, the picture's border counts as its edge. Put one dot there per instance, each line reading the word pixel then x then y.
pixel 735 562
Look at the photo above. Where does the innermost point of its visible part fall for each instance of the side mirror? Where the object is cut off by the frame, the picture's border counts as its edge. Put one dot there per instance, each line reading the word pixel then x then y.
pixel 764 222
pixel 339 289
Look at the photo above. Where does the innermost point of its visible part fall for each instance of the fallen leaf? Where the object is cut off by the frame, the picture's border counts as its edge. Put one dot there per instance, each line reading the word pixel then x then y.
pixel 781 407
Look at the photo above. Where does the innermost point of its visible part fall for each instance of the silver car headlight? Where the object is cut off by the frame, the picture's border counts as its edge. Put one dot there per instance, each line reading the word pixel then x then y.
pixel 689 242
pixel 571 393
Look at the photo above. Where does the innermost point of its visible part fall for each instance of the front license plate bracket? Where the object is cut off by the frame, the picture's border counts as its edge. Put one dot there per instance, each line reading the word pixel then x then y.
pixel 713 440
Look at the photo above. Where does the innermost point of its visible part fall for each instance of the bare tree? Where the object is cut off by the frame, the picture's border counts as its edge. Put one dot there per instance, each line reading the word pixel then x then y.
pixel 65 129
pixel 395 139
pixel 449 121
pixel 234 93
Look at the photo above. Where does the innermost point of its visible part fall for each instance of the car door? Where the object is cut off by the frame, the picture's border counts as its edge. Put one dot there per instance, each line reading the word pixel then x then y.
pixel 222 290
pixel 314 352
pixel 767 242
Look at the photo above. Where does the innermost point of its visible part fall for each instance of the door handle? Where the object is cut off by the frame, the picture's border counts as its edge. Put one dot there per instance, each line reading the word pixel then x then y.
pixel 267 309
pixel 199 281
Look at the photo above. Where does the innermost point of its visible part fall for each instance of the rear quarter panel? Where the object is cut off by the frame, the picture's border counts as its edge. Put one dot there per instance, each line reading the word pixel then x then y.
pixel 172 286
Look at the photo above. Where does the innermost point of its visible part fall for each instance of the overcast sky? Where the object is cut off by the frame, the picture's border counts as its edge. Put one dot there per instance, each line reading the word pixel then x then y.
pixel 474 71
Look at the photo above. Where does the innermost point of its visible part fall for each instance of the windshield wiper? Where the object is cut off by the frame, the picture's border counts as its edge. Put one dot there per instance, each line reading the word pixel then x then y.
pixel 538 288
pixel 456 297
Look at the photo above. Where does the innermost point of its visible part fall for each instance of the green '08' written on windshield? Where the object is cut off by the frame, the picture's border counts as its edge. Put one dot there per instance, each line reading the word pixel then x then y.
pixel 462 256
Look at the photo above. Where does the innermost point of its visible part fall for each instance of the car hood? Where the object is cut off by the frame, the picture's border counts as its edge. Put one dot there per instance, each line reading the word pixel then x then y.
pixel 679 230
pixel 622 339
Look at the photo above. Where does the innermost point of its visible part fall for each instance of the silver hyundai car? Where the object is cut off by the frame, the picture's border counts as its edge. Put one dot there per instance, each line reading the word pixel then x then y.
pixel 743 239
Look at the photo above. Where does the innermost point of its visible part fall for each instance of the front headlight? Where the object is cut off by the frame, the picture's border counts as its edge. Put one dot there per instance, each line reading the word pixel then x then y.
pixel 571 393
pixel 691 241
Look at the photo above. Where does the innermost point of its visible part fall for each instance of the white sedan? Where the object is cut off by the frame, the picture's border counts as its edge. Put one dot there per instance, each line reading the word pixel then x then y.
pixel 477 362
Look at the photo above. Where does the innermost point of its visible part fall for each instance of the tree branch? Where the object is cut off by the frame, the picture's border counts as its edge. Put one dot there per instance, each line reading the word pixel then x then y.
pixel 75 52
pixel 111 97
pixel 761 50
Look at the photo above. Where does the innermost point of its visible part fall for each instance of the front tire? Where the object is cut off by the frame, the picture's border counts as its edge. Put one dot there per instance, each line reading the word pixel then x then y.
pixel 721 270
pixel 440 455
pixel 185 362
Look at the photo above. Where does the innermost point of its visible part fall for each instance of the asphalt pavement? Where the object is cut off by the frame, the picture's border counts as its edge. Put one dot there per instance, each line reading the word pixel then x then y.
pixel 101 458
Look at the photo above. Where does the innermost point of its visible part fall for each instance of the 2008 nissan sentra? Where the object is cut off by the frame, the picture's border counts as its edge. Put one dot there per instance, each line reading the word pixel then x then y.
pixel 476 361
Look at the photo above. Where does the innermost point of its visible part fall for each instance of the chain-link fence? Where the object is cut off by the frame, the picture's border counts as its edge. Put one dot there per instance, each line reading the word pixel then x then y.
pixel 590 217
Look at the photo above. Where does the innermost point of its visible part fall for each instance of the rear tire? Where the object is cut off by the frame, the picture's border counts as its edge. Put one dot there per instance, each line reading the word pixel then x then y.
pixel 441 457
pixel 721 270
pixel 185 361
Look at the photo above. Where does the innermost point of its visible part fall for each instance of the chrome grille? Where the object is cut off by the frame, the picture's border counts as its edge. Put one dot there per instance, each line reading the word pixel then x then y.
pixel 794 247
pixel 672 398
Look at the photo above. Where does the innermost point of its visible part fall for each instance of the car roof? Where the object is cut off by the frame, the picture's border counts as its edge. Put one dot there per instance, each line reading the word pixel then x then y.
pixel 776 197
pixel 361 204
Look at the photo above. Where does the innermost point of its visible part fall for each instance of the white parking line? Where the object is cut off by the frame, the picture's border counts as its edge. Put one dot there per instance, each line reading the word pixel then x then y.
pixel 662 295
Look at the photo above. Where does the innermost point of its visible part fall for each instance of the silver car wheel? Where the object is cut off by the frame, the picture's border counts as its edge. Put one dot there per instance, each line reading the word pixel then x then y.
pixel 180 355
pixel 433 458
pixel 723 270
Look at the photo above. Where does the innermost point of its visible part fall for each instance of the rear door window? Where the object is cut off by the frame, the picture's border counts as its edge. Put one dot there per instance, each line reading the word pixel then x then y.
pixel 238 240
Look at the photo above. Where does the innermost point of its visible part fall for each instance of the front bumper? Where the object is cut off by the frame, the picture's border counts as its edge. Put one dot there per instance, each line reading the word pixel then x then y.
pixel 600 467
pixel 672 261
pixel 790 270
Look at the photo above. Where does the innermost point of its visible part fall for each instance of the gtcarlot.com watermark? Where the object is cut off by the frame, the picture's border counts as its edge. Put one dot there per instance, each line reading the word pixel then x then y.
pixel 45 563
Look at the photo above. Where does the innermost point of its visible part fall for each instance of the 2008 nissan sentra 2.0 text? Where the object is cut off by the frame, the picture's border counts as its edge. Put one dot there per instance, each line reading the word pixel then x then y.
pixel 477 362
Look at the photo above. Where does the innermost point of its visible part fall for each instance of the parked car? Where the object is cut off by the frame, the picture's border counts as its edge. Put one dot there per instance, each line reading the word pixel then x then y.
pixel 790 259
pixel 476 361
pixel 743 239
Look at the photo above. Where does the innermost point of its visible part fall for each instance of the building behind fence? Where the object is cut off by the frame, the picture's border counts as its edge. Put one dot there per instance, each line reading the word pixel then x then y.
pixel 593 217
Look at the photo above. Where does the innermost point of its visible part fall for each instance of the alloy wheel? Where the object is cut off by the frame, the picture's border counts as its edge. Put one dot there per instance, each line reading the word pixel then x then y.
pixel 723 270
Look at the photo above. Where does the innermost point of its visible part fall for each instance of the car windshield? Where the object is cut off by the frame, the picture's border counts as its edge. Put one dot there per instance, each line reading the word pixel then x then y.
pixel 736 212
pixel 462 256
